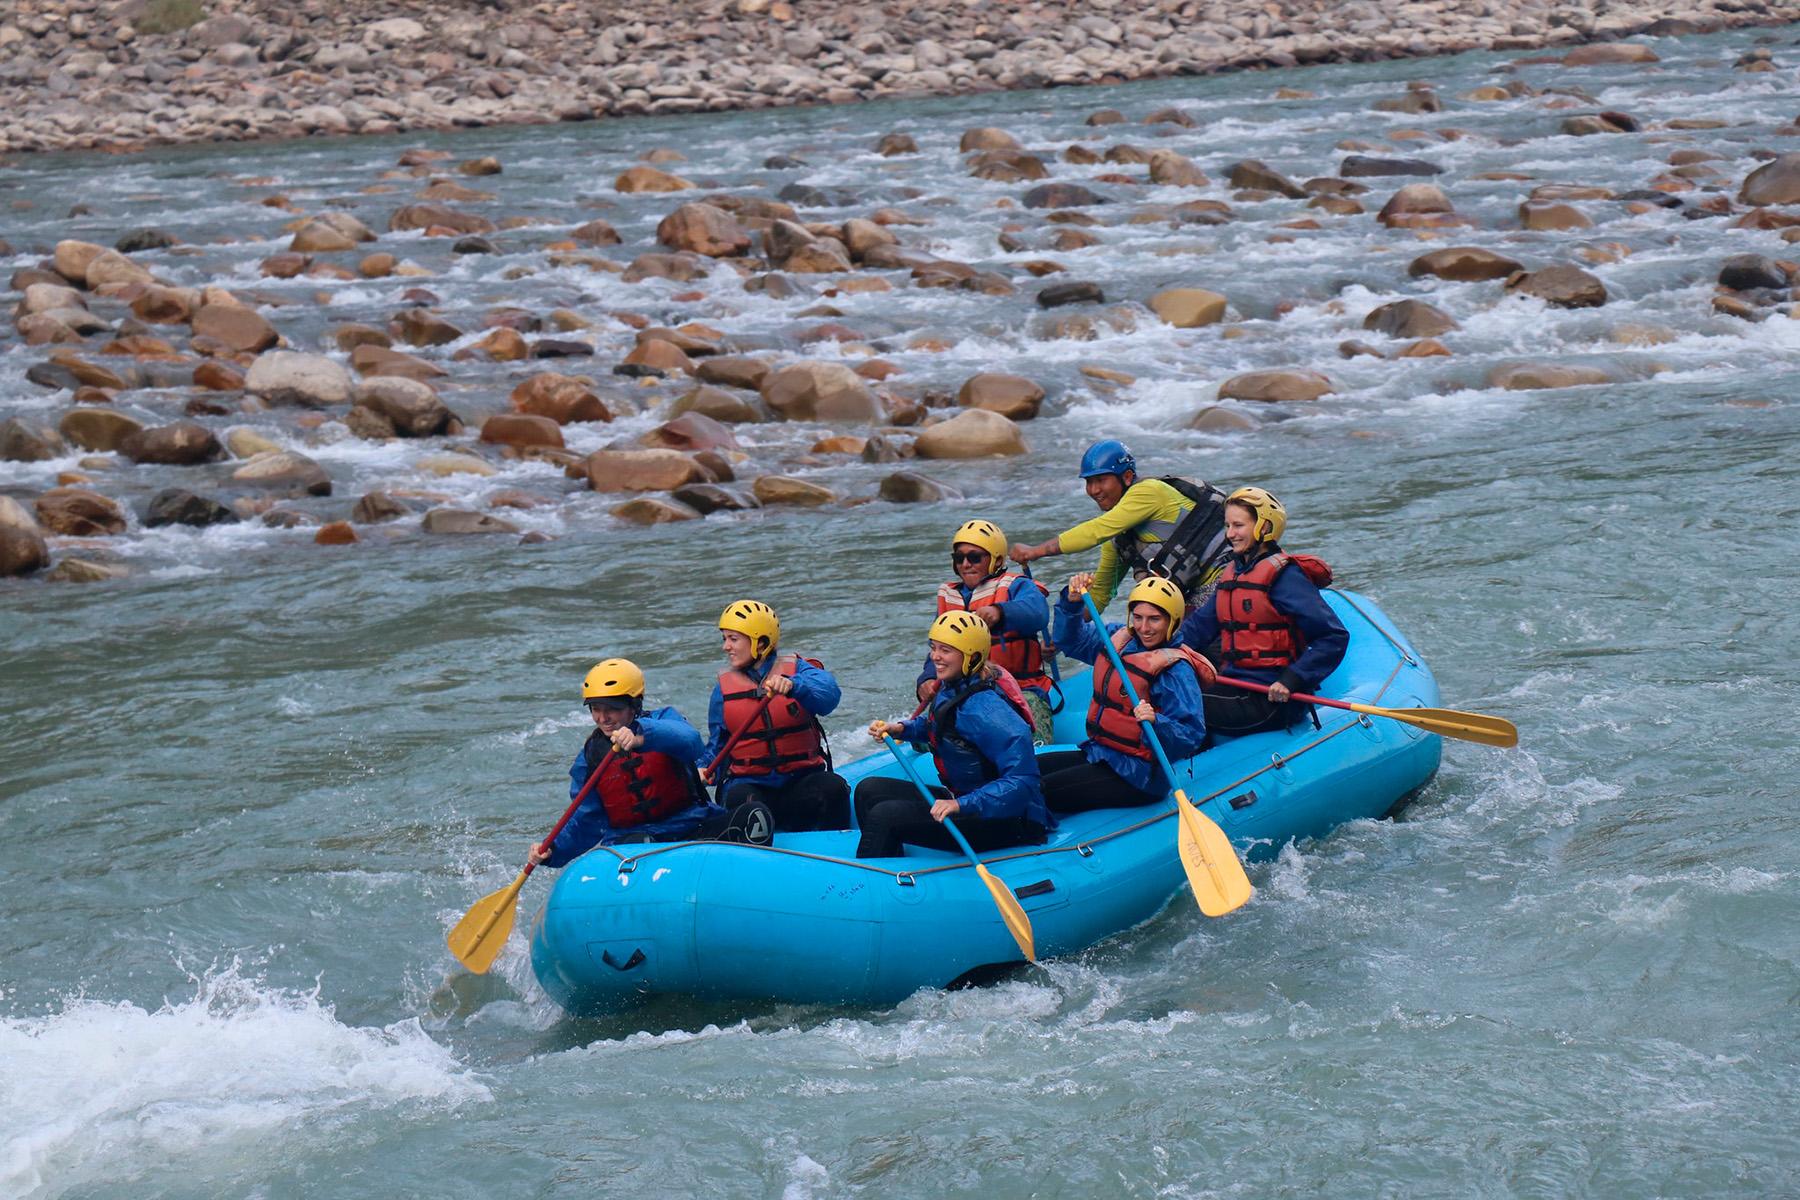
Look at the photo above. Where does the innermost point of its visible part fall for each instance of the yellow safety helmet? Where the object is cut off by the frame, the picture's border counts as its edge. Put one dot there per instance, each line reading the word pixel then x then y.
pixel 984 534
pixel 966 632
pixel 1268 518
pixel 756 621
pixel 1160 592
pixel 615 679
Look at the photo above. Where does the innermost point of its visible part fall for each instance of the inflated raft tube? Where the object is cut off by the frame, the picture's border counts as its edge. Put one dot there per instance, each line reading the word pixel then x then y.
pixel 804 921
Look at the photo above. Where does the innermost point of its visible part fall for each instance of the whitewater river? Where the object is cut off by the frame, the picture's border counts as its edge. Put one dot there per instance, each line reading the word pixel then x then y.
pixel 245 791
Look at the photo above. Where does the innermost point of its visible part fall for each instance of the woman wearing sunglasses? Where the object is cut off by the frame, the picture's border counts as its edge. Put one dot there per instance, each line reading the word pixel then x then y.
pixel 1013 608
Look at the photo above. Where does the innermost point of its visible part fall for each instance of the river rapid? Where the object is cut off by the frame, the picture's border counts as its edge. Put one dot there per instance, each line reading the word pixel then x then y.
pixel 246 790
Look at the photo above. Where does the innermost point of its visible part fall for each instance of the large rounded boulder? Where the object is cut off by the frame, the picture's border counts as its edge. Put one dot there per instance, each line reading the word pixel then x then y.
pixel 820 391
pixel 974 433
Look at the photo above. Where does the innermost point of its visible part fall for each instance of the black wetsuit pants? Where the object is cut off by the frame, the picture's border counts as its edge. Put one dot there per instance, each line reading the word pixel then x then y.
pixel 891 812
pixel 1073 784
pixel 816 800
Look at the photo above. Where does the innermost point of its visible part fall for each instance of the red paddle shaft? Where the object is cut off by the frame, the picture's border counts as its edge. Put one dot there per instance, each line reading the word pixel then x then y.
pixel 593 778
pixel 1263 687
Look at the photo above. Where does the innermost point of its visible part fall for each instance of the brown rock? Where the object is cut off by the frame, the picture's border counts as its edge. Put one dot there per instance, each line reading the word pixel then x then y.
pixel 1188 308
pixel 373 360
pixel 27 441
pixel 783 489
pixel 1609 54
pixel 1275 386
pixel 284 473
pixel 1012 396
pixel 408 405
pixel 841 443
pixel 1417 205
pixel 910 487
pixel 99 430
pixel 564 399
pixel 22 551
pixel 718 404
pixel 160 305
pixel 376 507
pixel 649 179
pixel 986 138
pixel 1463 264
pixel 349 337
pixel 1519 377
pixel 1260 177
pixel 309 380
pixel 1409 319
pixel 437 216
pixel 421 327
pixel 652 510
pixel 1535 214
pixel 691 431
pixel 109 266
pixel 682 268
pixel 335 533
pixel 499 345
pixel 1214 419
pixel 460 521
pixel 1176 170
pixel 820 391
pixel 703 229
pixel 1560 287
pixel 642 470
pixel 238 328
pixel 70 259
pixel 1776 182
pixel 1425 348
pixel 377 266
pixel 520 430
pixel 77 512
pixel 973 433
pixel 596 233
pixel 317 237
pixel 734 371
pixel 661 356
pixel 182 444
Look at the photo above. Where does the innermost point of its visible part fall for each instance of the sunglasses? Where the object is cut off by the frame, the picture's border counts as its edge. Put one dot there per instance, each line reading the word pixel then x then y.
pixel 959 557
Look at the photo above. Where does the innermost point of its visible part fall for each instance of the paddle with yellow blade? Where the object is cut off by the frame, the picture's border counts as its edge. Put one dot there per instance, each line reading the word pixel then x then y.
pixel 1011 912
pixel 1212 866
pixel 478 937
pixel 1470 727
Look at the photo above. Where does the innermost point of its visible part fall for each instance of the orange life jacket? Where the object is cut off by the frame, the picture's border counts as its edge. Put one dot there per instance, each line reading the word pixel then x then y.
pixel 784 737
pixel 1020 654
pixel 1109 718
pixel 1253 633
pixel 646 786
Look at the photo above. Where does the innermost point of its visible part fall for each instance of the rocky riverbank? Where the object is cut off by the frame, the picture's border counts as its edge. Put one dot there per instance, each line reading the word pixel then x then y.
pixel 78 74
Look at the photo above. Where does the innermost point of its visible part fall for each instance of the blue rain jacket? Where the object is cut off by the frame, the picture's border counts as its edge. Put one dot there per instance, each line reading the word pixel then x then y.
pixel 1175 694
pixel 994 729
pixel 664 731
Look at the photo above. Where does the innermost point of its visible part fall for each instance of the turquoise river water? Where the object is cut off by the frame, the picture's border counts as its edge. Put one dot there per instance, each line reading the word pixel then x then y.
pixel 246 790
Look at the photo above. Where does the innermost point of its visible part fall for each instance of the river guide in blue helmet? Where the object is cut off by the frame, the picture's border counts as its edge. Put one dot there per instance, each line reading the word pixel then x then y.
pixel 1169 527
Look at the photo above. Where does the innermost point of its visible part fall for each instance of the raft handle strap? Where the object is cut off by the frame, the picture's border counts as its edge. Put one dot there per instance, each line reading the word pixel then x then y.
pixel 1085 850
pixel 905 879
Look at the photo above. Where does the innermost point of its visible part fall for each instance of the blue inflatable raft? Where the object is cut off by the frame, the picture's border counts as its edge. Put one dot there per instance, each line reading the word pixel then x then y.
pixel 804 921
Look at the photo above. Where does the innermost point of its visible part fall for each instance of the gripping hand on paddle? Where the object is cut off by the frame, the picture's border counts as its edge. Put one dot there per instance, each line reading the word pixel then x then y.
pixel 778 685
pixel 539 854
pixel 947 807
pixel 1080 583
pixel 1278 693
pixel 880 729
pixel 624 739
pixel 1143 711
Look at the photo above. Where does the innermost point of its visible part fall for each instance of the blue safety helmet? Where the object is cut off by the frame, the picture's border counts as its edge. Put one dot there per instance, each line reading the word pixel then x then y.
pixel 1111 457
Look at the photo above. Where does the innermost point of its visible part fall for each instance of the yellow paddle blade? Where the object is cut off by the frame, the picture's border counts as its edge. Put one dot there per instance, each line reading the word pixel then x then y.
pixel 1017 923
pixel 1212 865
pixel 478 937
pixel 1470 727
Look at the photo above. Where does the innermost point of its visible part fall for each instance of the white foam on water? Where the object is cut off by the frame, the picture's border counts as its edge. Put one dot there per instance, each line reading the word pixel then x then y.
pixel 103 1091
pixel 806 1179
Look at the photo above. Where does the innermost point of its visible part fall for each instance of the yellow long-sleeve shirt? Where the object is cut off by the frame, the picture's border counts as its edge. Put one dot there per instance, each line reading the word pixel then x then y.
pixel 1149 509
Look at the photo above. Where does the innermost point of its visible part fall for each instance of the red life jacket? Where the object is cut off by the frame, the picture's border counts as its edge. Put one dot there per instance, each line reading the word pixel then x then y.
pixel 1109 719
pixel 942 728
pixel 638 788
pixel 1253 633
pixel 783 738
pixel 1021 654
